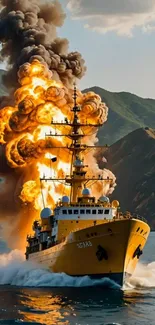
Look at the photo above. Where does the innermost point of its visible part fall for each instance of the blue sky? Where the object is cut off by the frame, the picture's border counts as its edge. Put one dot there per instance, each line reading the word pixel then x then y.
pixel 121 58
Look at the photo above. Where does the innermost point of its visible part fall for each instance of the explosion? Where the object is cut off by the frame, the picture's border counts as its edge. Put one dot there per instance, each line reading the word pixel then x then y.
pixel 28 132
pixel 28 32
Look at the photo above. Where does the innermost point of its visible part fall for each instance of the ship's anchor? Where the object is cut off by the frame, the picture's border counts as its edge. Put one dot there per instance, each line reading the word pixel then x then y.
pixel 101 253
pixel 138 252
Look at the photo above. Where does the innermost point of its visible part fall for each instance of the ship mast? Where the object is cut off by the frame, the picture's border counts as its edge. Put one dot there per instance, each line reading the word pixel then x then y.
pixel 77 178
pixel 78 172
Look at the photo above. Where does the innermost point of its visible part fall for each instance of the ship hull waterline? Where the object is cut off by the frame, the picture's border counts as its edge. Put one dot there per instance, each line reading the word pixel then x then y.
pixel 108 250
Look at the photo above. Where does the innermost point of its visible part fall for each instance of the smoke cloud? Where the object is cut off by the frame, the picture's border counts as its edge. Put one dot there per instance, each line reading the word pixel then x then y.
pixel 28 32
pixel 40 75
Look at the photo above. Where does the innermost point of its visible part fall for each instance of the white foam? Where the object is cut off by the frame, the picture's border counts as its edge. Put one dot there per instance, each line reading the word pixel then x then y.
pixel 15 271
pixel 143 277
pixel 113 324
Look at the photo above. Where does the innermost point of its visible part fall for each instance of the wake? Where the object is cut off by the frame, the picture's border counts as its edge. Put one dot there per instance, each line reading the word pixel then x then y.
pixel 15 271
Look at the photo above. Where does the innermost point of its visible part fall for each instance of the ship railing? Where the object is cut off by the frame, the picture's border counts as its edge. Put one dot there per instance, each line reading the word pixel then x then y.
pixel 29 237
pixel 130 216
pixel 136 216
pixel 80 205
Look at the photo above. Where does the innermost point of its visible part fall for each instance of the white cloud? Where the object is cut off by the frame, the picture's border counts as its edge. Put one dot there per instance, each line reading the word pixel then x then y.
pixel 120 16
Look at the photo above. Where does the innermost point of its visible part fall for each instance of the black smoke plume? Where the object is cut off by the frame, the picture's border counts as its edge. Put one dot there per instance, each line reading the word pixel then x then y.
pixel 28 32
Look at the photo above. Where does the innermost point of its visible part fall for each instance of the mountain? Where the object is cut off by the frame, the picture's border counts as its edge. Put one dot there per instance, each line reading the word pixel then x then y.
pixel 132 160
pixel 127 112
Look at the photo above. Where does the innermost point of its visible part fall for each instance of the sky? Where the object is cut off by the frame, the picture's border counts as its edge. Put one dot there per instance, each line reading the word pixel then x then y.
pixel 117 41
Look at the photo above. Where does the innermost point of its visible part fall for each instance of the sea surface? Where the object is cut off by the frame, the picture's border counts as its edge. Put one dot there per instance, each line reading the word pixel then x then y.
pixel 30 295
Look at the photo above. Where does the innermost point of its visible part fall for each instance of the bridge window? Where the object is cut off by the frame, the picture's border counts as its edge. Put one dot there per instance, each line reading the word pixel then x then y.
pixel 82 211
pixel 76 211
pixel 64 211
pixel 88 211
pixel 106 211
pixel 138 229
pixel 93 211
pixel 100 211
pixel 70 211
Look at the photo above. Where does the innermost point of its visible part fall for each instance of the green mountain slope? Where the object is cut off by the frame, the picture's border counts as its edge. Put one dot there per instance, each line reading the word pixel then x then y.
pixel 127 112
pixel 132 160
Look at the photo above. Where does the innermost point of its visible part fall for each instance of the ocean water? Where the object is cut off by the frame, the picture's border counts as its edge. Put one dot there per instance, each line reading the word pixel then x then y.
pixel 30 295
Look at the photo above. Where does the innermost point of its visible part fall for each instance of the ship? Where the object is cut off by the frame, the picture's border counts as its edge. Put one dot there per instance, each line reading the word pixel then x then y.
pixel 83 235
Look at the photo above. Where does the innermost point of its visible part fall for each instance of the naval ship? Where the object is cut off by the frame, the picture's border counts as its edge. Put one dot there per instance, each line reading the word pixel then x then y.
pixel 83 235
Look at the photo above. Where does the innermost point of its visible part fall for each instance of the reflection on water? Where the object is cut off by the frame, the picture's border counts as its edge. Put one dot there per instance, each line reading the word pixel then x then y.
pixel 67 306
pixel 59 307
pixel 44 308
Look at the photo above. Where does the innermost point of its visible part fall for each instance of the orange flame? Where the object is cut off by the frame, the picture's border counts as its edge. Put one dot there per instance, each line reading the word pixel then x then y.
pixel 26 129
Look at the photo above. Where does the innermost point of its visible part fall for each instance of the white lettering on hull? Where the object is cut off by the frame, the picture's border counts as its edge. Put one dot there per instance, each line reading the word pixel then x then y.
pixel 84 244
